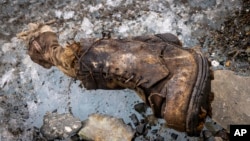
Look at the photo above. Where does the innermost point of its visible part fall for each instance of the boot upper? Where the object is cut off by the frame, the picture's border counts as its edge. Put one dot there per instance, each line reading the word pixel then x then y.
pixel 126 60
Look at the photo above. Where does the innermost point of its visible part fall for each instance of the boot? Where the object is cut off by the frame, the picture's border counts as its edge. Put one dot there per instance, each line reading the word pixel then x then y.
pixel 172 80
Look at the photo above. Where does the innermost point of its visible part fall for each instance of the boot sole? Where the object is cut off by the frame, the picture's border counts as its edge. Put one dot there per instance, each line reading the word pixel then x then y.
pixel 199 101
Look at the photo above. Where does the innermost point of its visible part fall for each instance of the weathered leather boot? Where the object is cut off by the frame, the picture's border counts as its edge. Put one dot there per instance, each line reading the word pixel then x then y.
pixel 172 80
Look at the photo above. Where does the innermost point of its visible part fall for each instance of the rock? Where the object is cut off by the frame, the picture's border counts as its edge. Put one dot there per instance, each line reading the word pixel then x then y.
pixel 154 131
pixel 222 134
pixel 212 127
pixel 218 139
pixel 207 134
pixel 105 128
pixel 174 136
pixel 37 135
pixel 134 119
pixel 159 138
pixel 215 63
pixel 210 139
pixel 74 138
pixel 140 129
pixel 231 98
pixel 60 126
pixel 140 108
pixel 15 127
pixel 228 63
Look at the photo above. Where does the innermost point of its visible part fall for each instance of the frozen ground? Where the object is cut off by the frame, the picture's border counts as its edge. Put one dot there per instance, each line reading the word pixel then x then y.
pixel 28 91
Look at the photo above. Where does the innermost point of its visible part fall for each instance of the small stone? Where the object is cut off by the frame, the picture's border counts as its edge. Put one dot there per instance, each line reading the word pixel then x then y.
pixel 67 129
pixel 140 129
pixel 228 63
pixel 223 134
pixel 210 139
pixel 75 138
pixel 247 28
pixel 134 119
pixel 59 126
pixel 75 126
pixel 212 127
pixel 248 50
pixel 105 128
pixel 174 136
pixel 213 54
pixel 15 127
pixel 215 63
pixel 15 108
pixel 154 131
pixel 218 139
pixel 207 134
pixel 248 53
pixel 159 138
pixel 140 108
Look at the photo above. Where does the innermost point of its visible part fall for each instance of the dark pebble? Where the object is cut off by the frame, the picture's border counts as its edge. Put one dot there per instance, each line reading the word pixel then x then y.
pixel 174 136
pixel 75 138
pixel 54 111
pixel 129 124
pixel 159 138
pixel 15 108
pixel 140 108
pixel 223 134
pixel 210 139
pixel 134 119
pixel 154 131
pixel 142 121
pixel 140 129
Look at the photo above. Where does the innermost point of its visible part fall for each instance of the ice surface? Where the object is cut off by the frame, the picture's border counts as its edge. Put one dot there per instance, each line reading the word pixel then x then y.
pixel 49 90
pixel 113 3
pixel 87 26
pixel 58 13
pixel 68 14
pixel 6 78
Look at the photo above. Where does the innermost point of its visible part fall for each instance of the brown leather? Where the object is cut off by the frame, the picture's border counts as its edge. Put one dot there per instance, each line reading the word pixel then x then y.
pixel 173 81
pixel 118 58
pixel 38 55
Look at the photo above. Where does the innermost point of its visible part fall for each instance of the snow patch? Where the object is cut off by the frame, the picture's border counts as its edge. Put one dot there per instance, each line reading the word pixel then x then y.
pixel 87 26
pixel 67 129
pixel 95 8
pixel 123 28
pixel 58 13
pixel 158 23
pixel 6 47
pixel 68 15
pixel 34 74
pixel 32 107
pixel 113 3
